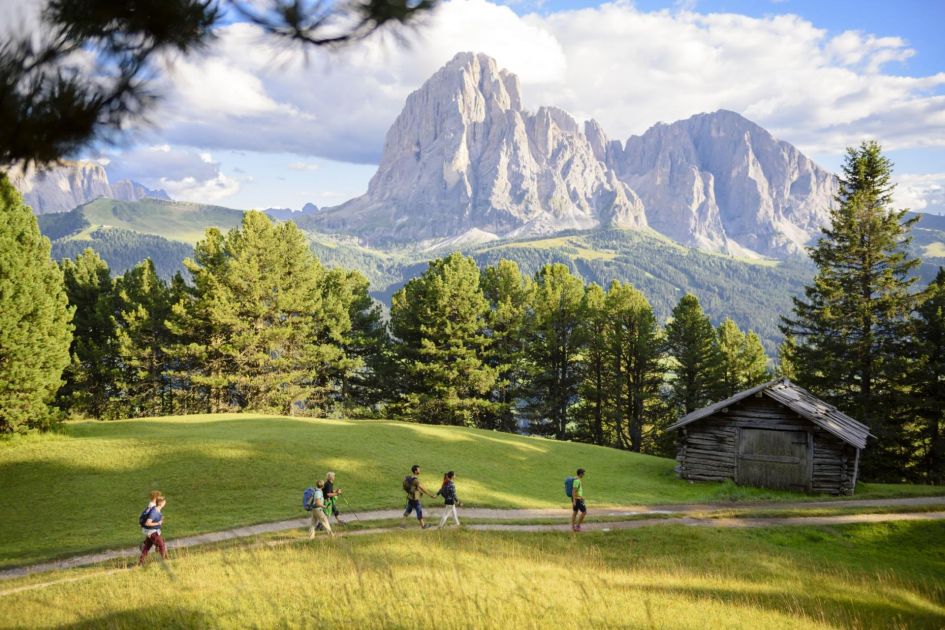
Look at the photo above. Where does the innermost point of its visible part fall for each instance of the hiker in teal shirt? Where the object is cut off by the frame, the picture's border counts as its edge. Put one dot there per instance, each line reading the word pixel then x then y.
pixel 577 502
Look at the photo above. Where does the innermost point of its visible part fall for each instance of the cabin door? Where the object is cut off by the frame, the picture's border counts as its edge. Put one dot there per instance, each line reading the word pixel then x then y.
pixel 773 459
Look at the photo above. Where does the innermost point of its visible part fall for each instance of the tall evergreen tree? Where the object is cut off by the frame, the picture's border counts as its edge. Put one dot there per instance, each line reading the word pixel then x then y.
pixel 35 319
pixel 438 320
pixel 742 359
pixel 597 382
pixel 554 347
pixel 352 322
pixel 143 305
pixel 853 321
pixel 199 363
pixel 248 330
pixel 692 345
pixel 927 382
pixel 90 377
pixel 509 295
pixel 636 351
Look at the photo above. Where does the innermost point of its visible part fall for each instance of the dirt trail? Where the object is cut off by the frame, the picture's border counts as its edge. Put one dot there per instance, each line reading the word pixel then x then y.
pixel 538 513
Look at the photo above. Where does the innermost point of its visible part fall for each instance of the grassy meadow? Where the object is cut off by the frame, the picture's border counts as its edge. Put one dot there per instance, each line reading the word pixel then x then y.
pixel 81 489
pixel 880 575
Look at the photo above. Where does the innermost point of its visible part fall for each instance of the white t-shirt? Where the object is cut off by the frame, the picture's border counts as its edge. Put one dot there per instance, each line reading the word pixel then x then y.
pixel 319 496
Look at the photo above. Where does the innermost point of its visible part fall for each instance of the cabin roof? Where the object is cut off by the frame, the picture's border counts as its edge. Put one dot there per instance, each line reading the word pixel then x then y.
pixel 798 400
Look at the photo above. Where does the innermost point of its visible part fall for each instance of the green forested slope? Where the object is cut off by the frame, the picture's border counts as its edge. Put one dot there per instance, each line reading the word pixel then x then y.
pixel 753 293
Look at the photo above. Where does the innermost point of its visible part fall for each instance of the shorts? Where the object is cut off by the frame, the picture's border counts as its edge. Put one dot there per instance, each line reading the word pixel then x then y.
pixel 579 506
pixel 414 504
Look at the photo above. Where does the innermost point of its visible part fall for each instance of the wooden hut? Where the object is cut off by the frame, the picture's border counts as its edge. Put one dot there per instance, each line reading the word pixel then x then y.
pixel 775 435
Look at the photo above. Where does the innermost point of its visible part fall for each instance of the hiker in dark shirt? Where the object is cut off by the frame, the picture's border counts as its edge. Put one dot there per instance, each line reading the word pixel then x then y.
pixel 151 528
pixel 414 491
pixel 331 494
pixel 448 492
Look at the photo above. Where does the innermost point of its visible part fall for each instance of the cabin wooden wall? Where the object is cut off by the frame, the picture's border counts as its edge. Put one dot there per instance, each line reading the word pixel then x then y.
pixel 708 448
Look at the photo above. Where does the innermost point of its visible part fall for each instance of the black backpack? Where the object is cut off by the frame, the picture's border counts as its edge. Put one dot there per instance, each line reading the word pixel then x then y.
pixel 144 516
pixel 408 485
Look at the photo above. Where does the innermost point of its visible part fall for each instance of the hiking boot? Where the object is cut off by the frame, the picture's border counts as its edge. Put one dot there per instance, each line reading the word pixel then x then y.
pixel 577 528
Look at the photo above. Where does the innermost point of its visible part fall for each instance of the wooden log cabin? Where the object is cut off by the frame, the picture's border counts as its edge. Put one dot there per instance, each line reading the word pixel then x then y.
pixel 775 435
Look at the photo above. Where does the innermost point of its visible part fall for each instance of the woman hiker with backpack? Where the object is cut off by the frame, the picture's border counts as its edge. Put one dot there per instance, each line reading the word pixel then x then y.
pixel 450 500
pixel 151 520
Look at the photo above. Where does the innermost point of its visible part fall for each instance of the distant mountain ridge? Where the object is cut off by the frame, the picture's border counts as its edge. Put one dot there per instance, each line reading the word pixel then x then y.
pixel 465 161
pixel 71 184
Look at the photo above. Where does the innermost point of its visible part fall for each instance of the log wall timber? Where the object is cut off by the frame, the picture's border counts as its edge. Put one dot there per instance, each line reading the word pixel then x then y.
pixel 707 449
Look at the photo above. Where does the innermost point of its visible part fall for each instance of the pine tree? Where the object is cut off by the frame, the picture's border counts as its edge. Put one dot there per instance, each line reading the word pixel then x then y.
pixel 597 382
pixel 742 359
pixel 692 345
pixel 248 331
pixel 927 383
pixel 636 356
pixel 554 345
pixel 509 295
pixel 438 321
pixel 351 321
pixel 199 365
pixel 35 319
pixel 90 378
pixel 851 326
pixel 787 353
pixel 143 305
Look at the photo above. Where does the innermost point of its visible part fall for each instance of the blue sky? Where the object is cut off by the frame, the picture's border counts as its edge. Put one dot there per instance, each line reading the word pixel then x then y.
pixel 250 125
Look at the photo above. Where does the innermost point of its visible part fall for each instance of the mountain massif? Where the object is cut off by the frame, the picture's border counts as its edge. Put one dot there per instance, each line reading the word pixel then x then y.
pixel 465 161
pixel 71 184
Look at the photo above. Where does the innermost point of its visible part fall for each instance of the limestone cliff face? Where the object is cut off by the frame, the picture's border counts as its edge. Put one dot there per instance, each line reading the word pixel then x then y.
pixel 128 190
pixel 71 184
pixel 465 156
pixel 720 182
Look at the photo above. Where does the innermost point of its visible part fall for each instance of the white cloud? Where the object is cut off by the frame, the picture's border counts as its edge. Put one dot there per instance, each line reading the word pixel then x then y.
pixel 625 67
pixel 303 166
pixel 184 173
pixel 212 190
pixel 921 193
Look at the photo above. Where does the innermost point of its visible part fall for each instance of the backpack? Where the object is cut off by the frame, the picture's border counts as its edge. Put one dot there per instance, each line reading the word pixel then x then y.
pixel 144 516
pixel 308 499
pixel 408 485
pixel 569 487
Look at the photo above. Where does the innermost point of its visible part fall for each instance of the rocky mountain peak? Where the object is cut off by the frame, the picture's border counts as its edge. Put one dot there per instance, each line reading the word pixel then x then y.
pixel 463 155
pixel 721 182
pixel 71 184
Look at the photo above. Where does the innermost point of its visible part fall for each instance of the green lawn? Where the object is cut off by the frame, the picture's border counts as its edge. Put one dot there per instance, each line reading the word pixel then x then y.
pixel 877 576
pixel 82 489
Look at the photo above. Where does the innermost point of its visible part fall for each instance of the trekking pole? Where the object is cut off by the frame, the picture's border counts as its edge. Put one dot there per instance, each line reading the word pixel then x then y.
pixel 348 505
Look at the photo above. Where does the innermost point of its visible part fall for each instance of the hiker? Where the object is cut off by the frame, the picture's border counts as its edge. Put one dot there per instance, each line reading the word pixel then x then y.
pixel 318 511
pixel 151 521
pixel 414 491
pixel 450 500
pixel 577 501
pixel 331 503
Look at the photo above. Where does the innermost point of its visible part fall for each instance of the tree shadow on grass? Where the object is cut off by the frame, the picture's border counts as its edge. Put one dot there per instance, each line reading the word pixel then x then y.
pixel 150 617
